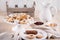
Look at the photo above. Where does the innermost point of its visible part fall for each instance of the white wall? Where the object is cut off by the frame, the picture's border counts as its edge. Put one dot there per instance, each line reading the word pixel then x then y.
pixel 58 4
pixel 3 3
pixel 13 2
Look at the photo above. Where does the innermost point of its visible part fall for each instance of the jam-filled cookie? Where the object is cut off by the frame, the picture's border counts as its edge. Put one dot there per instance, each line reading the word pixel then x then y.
pixel 30 36
pixel 52 24
pixel 39 36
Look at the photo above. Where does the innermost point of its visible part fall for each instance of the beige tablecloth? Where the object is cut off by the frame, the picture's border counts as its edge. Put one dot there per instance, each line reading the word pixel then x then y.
pixel 4 27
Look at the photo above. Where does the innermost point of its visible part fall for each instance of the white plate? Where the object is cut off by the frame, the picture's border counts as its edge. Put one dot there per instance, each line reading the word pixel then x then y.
pixel 44 34
pixel 5 20
pixel 9 36
pixel 5 36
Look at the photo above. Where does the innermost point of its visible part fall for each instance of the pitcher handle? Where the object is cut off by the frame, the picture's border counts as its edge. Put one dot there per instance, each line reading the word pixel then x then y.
pixel 53 10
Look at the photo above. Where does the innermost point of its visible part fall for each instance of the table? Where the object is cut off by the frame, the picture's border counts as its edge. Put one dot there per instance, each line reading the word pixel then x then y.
pixel 4 27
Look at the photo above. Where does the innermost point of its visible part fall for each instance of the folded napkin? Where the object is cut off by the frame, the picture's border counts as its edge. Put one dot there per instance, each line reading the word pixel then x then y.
pixel 50 31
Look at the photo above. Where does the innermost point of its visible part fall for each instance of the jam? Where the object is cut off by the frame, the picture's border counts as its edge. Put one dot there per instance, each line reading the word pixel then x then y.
pixel 31 32
pixel 38 23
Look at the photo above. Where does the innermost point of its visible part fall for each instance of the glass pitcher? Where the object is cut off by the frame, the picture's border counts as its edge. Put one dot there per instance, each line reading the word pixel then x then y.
pixel 48 12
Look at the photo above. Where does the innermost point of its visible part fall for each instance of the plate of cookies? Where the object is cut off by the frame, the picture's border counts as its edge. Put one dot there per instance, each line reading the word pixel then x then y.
pixel 21 18
pixel 34 34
